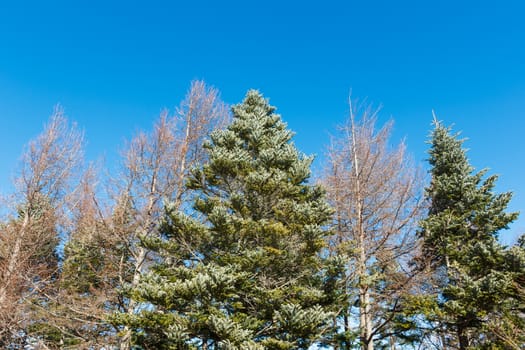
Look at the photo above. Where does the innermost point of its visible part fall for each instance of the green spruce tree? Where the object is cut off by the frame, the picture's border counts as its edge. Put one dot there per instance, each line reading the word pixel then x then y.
pixel 243 271
pixel 474 280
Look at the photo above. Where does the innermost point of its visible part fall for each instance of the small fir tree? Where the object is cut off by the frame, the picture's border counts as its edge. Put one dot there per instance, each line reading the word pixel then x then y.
pixel 244 270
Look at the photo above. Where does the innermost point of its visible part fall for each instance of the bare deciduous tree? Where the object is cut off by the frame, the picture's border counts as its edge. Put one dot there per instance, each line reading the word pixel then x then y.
pixel 375 191
pixel 156 166
pixel 29 237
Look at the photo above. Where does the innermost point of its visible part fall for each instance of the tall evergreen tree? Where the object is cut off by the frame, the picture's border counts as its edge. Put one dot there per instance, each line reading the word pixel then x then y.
pixel 244 271
pixel 473 277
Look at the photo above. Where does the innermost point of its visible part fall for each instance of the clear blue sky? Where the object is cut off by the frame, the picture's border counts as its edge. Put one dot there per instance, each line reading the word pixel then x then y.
pixel 115 65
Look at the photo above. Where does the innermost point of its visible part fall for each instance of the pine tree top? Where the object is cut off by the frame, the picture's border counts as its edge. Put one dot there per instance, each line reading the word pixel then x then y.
pixel 447 155
pixel 463 206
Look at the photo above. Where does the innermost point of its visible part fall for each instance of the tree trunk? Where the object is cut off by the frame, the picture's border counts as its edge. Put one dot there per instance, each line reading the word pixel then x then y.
pixel 347 329
pixel 365 322
pixel 463 338
pixel 125 343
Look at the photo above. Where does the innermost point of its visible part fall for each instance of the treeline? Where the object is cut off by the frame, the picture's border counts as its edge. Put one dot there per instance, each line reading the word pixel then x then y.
pixel 212 235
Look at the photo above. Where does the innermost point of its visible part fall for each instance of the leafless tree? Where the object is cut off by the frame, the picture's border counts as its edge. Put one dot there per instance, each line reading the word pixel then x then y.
pixel 375 190
pixel 28 238
pixel 155 169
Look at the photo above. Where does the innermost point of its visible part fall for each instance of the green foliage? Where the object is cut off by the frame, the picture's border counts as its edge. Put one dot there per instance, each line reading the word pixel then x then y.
pixel 83 267
pixel 247 273
pixel 474 281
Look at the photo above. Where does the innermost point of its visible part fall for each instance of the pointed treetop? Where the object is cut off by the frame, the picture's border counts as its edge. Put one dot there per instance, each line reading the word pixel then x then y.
pixel 447 154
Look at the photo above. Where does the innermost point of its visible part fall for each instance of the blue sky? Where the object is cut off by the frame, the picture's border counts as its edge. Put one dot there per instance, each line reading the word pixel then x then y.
pixel 114 66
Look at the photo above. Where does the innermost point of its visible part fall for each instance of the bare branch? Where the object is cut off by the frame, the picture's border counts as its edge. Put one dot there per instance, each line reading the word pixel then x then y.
pixel 29 237
pixel 374 189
